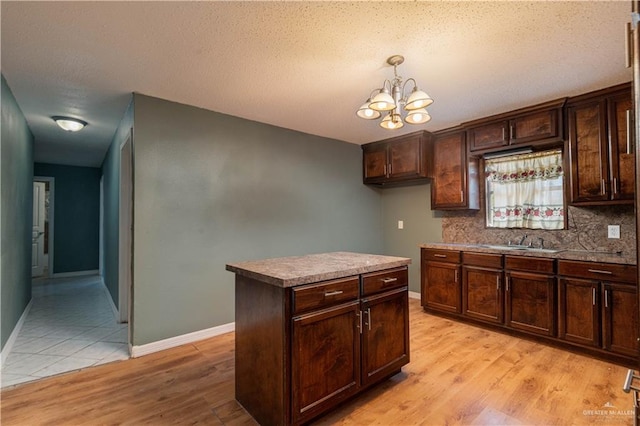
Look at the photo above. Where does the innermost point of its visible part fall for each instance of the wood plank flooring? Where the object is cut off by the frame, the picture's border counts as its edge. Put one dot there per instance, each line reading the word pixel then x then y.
pixel 458 374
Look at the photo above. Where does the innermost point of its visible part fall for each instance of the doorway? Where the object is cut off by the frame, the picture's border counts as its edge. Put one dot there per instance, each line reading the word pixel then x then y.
pixel 125 230
pixel 43 221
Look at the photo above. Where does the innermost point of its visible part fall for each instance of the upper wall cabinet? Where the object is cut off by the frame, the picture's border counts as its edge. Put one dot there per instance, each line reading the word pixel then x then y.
pixel 601 147
pixel 397 161
pixel 537 125
pixel 455 183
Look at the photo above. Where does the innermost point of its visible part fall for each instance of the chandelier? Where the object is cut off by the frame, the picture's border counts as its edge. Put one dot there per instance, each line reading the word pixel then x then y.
pixel 391 97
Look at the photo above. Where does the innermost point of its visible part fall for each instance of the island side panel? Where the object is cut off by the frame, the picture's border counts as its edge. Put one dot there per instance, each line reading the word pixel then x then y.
pixel 261 350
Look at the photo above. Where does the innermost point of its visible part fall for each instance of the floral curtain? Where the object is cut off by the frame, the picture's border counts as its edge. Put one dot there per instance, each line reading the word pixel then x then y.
pixel 526 191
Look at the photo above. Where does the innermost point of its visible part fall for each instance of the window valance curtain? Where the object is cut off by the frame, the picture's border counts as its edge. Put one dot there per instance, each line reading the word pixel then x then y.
pixel 526 191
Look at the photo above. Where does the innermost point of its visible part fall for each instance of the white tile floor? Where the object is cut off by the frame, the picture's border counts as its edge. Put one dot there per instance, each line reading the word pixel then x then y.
pixel 70 326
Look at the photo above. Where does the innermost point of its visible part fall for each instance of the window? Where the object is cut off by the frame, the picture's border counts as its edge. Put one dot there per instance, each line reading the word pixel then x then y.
pixel 525 191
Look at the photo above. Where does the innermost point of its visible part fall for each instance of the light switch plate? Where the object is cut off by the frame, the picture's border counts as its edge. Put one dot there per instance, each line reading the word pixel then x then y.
pixel 401 224
pixel 613 231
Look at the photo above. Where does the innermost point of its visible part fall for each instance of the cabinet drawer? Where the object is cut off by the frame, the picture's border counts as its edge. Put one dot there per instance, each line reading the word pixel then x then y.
pixel 376 282
pixel 598 271
pixel 327 293
pixel 441 255
pixel 482 259
pixel 531 264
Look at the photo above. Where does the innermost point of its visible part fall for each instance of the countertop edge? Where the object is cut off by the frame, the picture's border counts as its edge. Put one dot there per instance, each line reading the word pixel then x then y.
pixel 384 262
pixel 580 255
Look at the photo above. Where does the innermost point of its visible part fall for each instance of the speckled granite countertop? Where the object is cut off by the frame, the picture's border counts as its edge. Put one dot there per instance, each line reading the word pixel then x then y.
pixel 584 255
pixel 297 270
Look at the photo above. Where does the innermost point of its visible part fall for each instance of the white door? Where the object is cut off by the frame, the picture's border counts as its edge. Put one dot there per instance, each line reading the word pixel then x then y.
pixel 37 240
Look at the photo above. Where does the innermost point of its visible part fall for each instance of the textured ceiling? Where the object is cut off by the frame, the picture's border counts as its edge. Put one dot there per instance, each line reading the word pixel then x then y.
pixel 306 66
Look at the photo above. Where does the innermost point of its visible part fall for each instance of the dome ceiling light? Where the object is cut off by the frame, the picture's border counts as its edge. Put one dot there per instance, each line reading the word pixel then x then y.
pixel 69 124
pixel 389 99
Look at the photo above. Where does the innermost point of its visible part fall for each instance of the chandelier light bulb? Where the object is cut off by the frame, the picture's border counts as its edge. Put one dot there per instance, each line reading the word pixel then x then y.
pixel 392 122
pixel 368 113
pixel 418 99
pixel 382 101
pixel 418 116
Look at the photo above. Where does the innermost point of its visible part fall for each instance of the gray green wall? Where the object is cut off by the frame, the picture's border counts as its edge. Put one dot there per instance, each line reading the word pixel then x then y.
pixel 16 205
pixel 211 189
pixel 110 188
pixel 76 216
pixel 412 205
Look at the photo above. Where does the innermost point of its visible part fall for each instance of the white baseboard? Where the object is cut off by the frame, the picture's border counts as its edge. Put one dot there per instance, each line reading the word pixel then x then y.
pixel 172 342
pixel 14 334
pixel 75 274
pixel 414 295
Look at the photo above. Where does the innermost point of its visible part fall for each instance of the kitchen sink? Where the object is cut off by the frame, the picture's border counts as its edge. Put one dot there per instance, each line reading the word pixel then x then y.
pixel 521 248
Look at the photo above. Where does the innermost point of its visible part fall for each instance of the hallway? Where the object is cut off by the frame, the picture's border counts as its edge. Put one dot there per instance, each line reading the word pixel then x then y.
pixel 70 326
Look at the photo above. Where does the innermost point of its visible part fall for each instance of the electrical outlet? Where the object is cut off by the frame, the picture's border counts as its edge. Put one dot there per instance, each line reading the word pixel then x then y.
pixel 401 224
pixel 613 231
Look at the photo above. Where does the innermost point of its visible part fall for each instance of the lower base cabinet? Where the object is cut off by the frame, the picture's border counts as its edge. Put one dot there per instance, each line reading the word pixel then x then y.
pixel 576 304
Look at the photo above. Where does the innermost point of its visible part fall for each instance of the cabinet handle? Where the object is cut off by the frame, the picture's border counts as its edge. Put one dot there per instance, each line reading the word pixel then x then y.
pixel 385 170
pixel 498 283
pixel 606 298
pixel 603 187
pixel 628 42
pixel 461 195
pixel 359 315
pixel 390 169
pixel 628 112
pixel 368 312
pixel 600 271
pixel 615 186
pixel 444 256
pixel 388 280
pixel 593 296
pixel 503 134
pixel 511 132
pixel 455 276
pixel 507 283
pixel 333 293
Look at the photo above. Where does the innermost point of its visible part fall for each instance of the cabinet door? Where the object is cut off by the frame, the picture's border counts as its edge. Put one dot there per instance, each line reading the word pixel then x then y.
pixel 385 334
pixel 441 287
pixel 491 135
pixel 622 145
pixel 530 302
pixel 325 359
pixel 374 163
pixel 579 313
pixel 620 318
pixel 405 158
pixel 588 152
pixel 536 126
pixel 455 179
pixel 482 294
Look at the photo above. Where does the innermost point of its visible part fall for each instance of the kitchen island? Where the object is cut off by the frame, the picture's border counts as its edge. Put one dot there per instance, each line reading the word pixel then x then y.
pixel 313 331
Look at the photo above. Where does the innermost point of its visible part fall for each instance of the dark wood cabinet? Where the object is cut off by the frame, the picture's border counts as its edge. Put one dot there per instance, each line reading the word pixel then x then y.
pixel 455 177
pixel 601 147
pixel 598 306
pixel 620 330
pixel 302 350
pixel 385 334
pixel 530 295
pixel 324 374
pixel 401 160
pixel 482 283
pixel 441 283
pixel 537 125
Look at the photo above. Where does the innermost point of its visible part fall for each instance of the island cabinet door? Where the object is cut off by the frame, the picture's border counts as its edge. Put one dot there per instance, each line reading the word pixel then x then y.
pixel 385 334
pixel 325 360
pixel 620 318
pixel 530 302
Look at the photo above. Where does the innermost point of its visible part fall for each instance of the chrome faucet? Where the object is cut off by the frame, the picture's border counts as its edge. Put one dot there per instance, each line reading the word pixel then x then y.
pixel 541 242
pixel 522 239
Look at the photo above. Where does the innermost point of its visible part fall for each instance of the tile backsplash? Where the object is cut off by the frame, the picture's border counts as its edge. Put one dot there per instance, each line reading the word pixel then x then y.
pixel 587 230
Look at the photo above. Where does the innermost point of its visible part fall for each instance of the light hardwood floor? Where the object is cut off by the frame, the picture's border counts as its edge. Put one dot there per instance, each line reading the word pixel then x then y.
pixel 458 374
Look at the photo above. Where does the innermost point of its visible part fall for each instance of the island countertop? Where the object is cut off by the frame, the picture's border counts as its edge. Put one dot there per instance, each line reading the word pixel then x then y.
pixel 298 270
